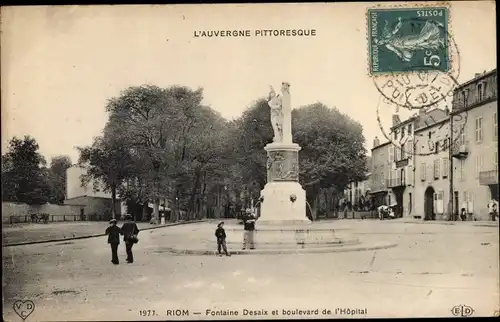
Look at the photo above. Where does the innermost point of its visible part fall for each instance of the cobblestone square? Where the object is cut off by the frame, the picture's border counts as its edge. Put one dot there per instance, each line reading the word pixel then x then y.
pixel 433 268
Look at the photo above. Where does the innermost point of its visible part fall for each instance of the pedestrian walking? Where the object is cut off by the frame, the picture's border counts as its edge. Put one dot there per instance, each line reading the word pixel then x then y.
pixel 130 232
pixel 463 214
pixel 249 227
pixel 113 232
pixel 220 234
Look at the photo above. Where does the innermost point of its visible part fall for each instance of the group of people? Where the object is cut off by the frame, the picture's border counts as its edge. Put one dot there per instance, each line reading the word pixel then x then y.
pixel 386 212
pixel 248 236
pixel 129 231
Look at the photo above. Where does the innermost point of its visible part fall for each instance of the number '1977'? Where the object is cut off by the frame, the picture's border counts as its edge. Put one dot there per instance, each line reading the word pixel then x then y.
pixel 147 313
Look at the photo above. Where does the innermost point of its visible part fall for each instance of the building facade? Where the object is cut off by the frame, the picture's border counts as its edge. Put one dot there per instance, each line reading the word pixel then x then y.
pixel 74 187
pixel 475 151
pixel 401 160
pixel 379 173
pixel 432 170
pixel 92 195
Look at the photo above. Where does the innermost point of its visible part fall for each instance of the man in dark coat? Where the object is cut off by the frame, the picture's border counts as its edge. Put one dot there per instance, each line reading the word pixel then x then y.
pixel 129 231
pixel 113 233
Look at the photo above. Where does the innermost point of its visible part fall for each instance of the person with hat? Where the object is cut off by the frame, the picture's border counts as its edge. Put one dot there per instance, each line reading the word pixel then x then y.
pixel 113 232
pixel 129 232
pixel 220 233
pixel 249 228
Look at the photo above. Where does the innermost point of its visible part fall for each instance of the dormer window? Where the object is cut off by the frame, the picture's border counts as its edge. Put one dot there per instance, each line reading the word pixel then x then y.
pixel 402 132
pixel 480 92
pixel 409 129
pixel 430 135
pixel 395 134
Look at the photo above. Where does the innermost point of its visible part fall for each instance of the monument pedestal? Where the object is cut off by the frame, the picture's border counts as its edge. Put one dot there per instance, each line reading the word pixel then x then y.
pixel 283 201
pixel 277 206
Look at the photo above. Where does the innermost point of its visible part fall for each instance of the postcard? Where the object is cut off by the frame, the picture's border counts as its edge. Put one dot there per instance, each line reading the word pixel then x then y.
pixel 249 161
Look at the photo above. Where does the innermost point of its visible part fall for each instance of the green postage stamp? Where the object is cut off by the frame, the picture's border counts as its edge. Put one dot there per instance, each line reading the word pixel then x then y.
pixel 408 39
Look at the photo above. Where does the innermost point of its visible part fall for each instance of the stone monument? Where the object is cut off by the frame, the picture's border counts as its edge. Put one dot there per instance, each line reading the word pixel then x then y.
pixel 283 201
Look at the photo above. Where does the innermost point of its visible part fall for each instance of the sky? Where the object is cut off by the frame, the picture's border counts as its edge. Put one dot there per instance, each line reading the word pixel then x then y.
pixel 60 64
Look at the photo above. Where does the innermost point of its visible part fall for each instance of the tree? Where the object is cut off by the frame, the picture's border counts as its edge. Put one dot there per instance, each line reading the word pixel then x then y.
pixel 160 126
pixel 108 162
pixel 57 178
pixel 333 153
pixel 253 132
pixel 23 179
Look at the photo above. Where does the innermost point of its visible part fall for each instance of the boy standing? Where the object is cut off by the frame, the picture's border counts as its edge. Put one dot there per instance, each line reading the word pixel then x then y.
pixel 113 233
pixel 220 233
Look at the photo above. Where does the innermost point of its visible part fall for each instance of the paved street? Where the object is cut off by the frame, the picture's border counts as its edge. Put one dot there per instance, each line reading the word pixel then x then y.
pixel 434 268
pixel 35 232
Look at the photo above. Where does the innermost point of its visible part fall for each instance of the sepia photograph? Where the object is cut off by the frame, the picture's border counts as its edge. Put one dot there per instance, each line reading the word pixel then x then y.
pixel 249 161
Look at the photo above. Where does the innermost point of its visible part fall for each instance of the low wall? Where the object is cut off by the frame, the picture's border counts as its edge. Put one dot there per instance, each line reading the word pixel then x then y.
pixel 96 205
pixel 358 214
pixel 22 210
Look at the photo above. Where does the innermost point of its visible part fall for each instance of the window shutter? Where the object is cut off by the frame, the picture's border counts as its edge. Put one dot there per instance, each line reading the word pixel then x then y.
pixel 409 149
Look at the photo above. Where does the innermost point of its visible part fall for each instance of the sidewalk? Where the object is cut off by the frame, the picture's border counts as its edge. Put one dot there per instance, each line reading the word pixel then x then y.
pixel 482 223
pixel 43 233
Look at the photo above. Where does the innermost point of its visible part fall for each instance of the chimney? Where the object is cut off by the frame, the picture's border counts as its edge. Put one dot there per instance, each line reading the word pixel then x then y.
pixel 395 120
pixel 376 142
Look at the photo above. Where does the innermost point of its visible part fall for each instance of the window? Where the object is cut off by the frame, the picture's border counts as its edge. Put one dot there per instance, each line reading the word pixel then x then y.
pixel 391 152
pixel 479 129
pixel 464 98
pixel 436 169
pixel 438 197
pixel 398 154
pixel 409 129
pixel 403 151
pixel 396 135
pixel 409 148
pixel 479 92
pixel 436 147
pixel 445 167
pixel 402 132
pixel 462 170
pixel 495 127
pixel 445 144
pixel 462 137
pixel 423 169
pixel 479 164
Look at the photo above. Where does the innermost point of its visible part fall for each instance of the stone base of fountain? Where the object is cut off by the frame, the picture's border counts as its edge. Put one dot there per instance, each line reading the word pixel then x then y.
pixel 290 239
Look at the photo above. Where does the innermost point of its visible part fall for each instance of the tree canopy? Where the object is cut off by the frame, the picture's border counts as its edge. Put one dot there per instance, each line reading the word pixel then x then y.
pixel 25 177
pixel 163 146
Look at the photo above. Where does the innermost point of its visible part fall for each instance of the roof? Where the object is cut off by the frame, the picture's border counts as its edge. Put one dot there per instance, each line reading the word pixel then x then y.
pixel 380 145
pixel 432 117
pixel 475 79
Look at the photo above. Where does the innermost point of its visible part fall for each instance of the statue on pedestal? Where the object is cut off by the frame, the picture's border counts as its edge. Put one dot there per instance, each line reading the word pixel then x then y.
pixel 275 103
pixel 281 114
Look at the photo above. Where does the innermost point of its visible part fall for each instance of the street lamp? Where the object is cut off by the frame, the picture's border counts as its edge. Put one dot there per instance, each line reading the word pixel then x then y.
pixel 178 208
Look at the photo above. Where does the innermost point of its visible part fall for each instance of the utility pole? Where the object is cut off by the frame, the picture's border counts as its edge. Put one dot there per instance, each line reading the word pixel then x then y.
pixel 450 157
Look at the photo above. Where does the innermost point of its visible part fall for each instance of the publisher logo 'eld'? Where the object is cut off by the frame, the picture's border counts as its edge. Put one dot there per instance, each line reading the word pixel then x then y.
pixel 462 310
